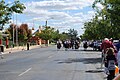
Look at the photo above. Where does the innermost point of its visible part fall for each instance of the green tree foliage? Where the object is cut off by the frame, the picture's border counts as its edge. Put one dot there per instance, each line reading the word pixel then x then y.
pixel 6 11
pixel 24 33
pixel 108 25
pixel 72 33
pixel 10 31
pixel 64 36
pixel 9 34
pixel 55 35
pixel 46 34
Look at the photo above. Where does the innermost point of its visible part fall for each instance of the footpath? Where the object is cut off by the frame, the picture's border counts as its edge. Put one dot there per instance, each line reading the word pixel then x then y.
pixel 20 48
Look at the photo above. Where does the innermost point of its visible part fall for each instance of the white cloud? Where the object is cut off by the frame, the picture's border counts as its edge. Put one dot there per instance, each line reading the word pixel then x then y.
pixel 60 5
pixel 62 11
pixel 99 6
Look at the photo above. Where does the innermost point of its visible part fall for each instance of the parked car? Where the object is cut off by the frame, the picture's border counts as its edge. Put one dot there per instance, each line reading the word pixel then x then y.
pixel 96 45
pixel 115 42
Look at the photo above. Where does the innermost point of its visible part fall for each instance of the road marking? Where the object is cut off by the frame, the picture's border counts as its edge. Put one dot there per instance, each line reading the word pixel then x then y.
pixel 25 72
pixel 50 56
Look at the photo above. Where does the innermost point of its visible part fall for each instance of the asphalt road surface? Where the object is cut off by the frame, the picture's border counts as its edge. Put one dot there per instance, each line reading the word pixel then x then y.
pixel 52 64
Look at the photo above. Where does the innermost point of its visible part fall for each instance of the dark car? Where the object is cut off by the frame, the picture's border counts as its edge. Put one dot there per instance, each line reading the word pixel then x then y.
pixel 96 45
pixel 115 42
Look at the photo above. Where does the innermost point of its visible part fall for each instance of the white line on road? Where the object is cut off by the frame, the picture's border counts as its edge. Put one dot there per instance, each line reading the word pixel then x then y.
pixel 25 72
pixel 50 56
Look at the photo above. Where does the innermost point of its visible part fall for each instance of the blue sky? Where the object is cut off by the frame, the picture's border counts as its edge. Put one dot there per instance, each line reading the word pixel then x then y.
pixel 60 14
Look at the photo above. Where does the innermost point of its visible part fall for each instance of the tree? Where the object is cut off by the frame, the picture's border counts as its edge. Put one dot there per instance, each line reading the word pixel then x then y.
pixel 64 36
pixel 108 25
pixel 46 34
pixel 6 11
pixel 110 16
pixel 24 33
pixel 55 35
pixel 9 34
pixel 72 33
pixel 9 31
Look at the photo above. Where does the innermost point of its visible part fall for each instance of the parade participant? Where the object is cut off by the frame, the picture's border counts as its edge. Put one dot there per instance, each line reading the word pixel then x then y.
pixel 66 44
pixel 107 44
pixel 76 44
pixel 72 43
pixel 59 42
pixel 85 45
pixel 111 39
pixel 110 62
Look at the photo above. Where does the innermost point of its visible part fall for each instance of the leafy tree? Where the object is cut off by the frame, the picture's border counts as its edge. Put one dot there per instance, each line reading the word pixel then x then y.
pixel 9 34
pixel 23 32
pixel 108 25
pixel 9 31
pixel 72 33
pixel 55 35
pixel 64 36
pixel 46 34
pixel 6 11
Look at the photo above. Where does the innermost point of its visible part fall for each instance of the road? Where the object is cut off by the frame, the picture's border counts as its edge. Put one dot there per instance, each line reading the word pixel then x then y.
pixel 51 64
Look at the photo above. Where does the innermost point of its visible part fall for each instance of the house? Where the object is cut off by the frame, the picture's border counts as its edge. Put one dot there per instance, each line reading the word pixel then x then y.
pixel 35 39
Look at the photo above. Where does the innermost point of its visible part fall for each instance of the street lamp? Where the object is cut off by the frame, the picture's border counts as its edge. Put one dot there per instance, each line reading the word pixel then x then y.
pixel 46 22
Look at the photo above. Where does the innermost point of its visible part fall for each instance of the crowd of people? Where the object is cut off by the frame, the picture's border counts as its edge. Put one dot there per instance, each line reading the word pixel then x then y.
pixel 67 44
pixel 111 57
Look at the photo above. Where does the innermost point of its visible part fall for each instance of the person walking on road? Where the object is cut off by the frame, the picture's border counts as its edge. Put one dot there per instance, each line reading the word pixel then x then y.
pixel 85 45
pixel 59 42
pixel 110 62
pixel 106 44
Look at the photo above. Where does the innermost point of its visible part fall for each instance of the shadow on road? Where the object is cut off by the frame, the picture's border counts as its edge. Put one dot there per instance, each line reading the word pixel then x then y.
pixel 91 50
pixel 94 71
pixel 88 50
pixel 84 60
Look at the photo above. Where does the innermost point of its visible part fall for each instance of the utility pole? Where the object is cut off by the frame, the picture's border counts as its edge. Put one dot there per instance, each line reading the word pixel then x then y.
pixel 13 29
pixel 16 31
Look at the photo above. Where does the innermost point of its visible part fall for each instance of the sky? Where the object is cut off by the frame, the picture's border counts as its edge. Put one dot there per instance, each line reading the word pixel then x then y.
pixel 60 14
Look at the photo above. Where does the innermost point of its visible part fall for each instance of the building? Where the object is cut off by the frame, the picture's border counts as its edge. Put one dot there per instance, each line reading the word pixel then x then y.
pixel 35 39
